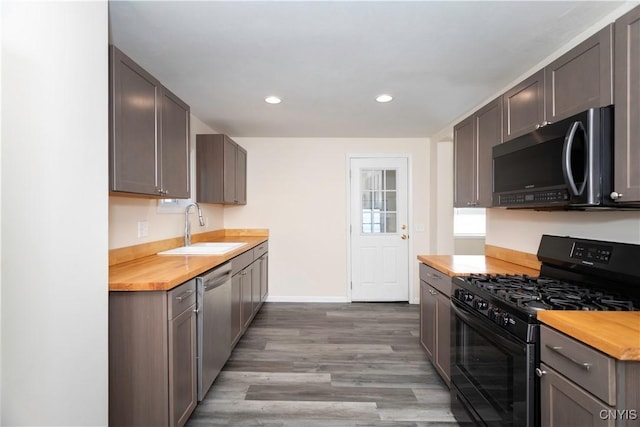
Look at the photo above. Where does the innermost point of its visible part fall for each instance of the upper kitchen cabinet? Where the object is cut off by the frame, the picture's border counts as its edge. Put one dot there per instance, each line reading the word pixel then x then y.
pixel 627 120
pixel 149 133
pixel 473 139
pixel 580 79
pixel 524 107
pixel 221 170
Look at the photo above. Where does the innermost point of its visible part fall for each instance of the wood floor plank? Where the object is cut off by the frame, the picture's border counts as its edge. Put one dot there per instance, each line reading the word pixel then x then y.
pixel 328 365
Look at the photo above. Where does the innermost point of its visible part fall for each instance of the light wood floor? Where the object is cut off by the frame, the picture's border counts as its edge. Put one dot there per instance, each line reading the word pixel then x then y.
pixel 302 364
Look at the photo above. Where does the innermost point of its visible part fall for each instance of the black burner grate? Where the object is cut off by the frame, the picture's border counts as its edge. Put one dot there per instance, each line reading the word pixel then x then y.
pixel 536 293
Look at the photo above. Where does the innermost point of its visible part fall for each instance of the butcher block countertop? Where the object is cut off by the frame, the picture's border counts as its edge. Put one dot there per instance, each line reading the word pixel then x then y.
pixel 616 333
pixel 496 261
pixel 164 272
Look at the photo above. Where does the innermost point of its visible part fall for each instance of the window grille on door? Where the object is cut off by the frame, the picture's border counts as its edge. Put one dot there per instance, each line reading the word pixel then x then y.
pixel 378 201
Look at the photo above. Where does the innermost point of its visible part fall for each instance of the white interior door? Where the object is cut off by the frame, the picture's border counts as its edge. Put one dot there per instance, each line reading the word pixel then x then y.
pixel 379 229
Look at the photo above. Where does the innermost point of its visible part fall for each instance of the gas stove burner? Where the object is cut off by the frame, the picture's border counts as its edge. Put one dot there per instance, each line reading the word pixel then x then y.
pixel 537 305
pixel 530 294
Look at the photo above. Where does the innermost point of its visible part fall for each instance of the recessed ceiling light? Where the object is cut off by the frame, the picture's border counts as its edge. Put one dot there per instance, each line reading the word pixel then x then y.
pixel 272 100
pixel 384 98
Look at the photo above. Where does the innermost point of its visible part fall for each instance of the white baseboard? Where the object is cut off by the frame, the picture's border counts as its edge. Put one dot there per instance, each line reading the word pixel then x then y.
pixel 306 299
pixel 315 299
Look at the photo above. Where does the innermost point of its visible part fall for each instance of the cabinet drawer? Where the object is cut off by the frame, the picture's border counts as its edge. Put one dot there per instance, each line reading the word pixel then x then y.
pixel 240 262
pixel 181 298
pixel 587 367
pixel 260 250
pixel 435 278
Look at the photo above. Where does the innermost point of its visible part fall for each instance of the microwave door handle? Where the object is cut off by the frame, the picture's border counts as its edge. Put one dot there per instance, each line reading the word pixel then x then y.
pixel 566 159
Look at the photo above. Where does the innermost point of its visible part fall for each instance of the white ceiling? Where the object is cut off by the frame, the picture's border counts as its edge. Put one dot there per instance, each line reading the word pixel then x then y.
pixel 329 60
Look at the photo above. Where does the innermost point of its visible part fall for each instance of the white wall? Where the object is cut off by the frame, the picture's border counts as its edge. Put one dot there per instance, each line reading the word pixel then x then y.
pixel 297 188
pixel 54 213
pixel 125 212
pixel 522 229
pixel 442 227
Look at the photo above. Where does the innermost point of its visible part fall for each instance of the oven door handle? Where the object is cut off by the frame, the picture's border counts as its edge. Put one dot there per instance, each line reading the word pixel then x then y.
pixel 491 332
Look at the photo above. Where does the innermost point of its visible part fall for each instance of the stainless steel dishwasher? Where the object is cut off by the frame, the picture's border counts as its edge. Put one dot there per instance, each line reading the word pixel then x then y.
pixel 213 325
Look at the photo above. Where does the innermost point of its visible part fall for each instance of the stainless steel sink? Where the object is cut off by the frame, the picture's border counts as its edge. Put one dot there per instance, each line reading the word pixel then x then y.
pixel 205 248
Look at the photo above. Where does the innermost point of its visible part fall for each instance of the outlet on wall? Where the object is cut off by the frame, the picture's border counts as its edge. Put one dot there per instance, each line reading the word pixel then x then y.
pixel 143 228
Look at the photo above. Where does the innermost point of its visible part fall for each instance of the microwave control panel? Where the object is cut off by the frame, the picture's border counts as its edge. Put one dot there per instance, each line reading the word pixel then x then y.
pixel 533 198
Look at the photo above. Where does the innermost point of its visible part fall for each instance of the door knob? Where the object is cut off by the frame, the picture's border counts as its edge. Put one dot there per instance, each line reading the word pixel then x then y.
pixel 404 227
pixel 404 237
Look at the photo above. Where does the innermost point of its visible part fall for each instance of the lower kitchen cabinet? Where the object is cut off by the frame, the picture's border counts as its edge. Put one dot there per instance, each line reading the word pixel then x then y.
pixel 264 277
pixel 236 308
pixel 152 356
pixel 246 281
pixel 248 288
pixel 435 319
pixel 582 387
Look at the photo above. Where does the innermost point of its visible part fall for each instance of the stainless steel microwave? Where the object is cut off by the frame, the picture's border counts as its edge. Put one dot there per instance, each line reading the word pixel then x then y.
pixel 564 165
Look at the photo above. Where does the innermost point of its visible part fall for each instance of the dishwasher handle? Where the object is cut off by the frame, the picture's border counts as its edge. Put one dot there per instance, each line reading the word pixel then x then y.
pixel 216 278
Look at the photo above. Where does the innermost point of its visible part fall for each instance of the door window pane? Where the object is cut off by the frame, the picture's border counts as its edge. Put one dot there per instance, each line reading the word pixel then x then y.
pixel 379 201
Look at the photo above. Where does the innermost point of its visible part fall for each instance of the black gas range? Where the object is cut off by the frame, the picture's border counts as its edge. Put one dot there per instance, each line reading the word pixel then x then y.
pixel 495 326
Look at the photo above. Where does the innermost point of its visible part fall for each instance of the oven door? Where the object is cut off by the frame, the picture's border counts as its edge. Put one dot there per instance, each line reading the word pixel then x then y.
pixel 492 373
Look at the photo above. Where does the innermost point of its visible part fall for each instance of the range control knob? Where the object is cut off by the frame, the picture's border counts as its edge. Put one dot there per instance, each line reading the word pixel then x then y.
pixel 468 296
pixel 504 320
pixel 480 304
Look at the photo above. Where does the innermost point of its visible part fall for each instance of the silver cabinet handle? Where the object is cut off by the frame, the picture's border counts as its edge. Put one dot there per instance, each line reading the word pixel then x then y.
pixel 184 295
pixel 435 276
pixel 558 350
pixel 615 195
pixel 540 372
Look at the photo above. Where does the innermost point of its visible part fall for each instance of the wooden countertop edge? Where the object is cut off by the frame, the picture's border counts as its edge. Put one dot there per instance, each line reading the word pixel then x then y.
pixel 613 336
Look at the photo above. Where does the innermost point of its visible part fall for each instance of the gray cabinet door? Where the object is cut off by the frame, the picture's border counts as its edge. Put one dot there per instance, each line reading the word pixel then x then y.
pixel 264 277
pixel 236 308
pixel 523 107
pixel 241 176
pixel 581 78
pixel 221 170
pixel 488 124
pixel 443 336
pixel 229 167
pixel 464 163
pixel 427 319
pixel 246 279
pixel 134 127
pixel 182 367
pixel 564 404
pixel 175 147
pixel 256 269
pixel 627 96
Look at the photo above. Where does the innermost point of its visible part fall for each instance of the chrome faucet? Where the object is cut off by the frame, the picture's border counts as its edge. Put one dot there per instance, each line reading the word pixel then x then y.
pixel 187 223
